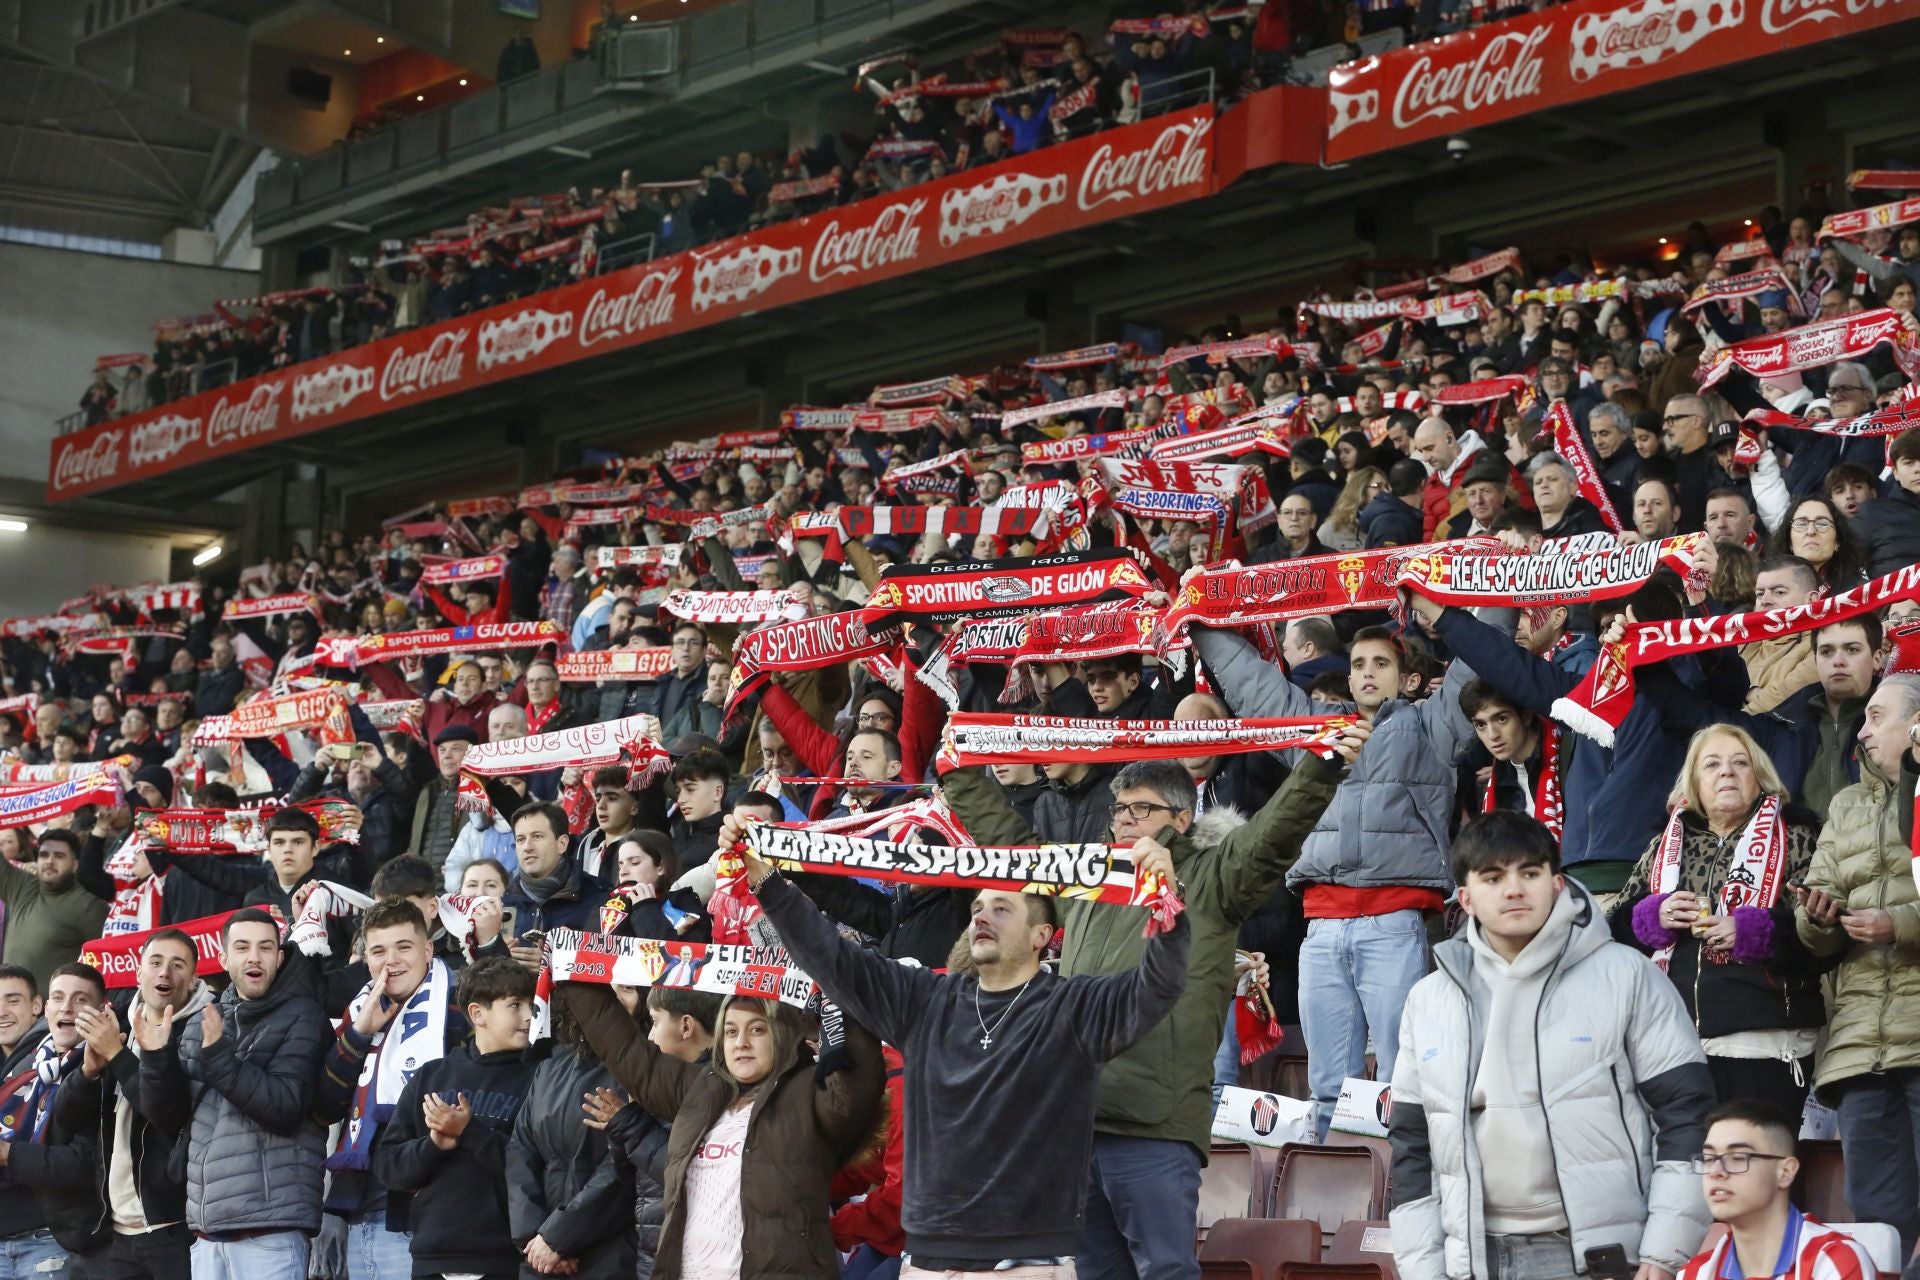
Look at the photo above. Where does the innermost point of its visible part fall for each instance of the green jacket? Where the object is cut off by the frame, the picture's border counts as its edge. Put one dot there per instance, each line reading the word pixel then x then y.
pixel 1228 866
pixel 46 927
pixel 1863 861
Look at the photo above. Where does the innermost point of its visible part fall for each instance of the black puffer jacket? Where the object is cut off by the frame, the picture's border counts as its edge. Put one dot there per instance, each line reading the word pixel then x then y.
pixel 561 1184
pixel 1076 812
pixel 1890 527
pixel 639 1143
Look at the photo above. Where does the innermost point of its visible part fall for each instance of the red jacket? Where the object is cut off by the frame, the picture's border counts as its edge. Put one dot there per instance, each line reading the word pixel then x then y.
pixel 879 1173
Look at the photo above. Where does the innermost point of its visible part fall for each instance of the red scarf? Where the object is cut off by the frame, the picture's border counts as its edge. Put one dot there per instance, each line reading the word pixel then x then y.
pixel 1569 444
pixel 1757 870
pixel 975 738
pixel 981 588
pixel 1495 576
pixel 1547 804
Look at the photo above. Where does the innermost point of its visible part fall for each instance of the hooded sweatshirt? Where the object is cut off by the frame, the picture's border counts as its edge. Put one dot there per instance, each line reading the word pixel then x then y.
pixel 127 1210
pixel 1522 1190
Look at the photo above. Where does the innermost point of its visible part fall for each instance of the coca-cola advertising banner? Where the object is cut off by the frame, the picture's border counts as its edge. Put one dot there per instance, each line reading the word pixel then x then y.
pixel 1565 54
pixel 1116 174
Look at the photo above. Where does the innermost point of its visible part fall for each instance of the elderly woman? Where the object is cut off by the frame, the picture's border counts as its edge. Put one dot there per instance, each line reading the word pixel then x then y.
pixel 1709 900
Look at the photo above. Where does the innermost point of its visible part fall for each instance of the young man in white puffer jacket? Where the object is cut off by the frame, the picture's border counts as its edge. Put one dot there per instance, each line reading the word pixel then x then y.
pixel 1549 1091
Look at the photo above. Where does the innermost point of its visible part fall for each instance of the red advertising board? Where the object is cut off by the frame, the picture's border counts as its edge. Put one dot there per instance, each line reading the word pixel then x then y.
pixel 1565 54
pixel 1116 174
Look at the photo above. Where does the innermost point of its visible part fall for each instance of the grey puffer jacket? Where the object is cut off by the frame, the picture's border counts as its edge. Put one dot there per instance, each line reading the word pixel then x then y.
pixel 1624 1087
pixel 562 1183
pixel 254 1151
pixel 1389 822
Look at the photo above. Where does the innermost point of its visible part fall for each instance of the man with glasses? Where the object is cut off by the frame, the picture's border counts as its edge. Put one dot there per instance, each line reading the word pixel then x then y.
pixel 1890 525
pixel 1154 1110
pixel 687 681
pixel 1747 1167
pixel 1296 537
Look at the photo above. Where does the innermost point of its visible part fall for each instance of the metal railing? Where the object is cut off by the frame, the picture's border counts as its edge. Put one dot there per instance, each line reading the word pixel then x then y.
pixel 1188 89
pixel 615 254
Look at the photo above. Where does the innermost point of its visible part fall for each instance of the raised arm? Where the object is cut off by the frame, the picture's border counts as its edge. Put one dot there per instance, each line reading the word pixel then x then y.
pixel 1112 1012
pixel 1251 685
pixel 878 993
pixel 651 1078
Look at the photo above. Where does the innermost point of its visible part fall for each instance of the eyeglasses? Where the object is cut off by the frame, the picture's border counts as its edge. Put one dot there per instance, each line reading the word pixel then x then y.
pixel 1817 524
pixel 873 719
pixel 1138 810
pixel 1731 1161
pixel 1672 418
pixel 1845 388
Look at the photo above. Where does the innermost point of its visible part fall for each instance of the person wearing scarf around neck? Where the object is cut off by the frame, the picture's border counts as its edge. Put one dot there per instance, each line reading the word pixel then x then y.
pixel 1518 764
pixel 50 1214
pixel 144 1201
pixel 1709 902
pixel 549 891
pixel 406 1014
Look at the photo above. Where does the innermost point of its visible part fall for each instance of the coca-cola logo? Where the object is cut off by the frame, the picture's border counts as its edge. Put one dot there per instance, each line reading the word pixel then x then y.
pixel 437 365
pixel 157 440
pixel 522 336
pixel 745 273
pixel 90 463
pixel 1507 69
pixel 1777 16
pixel 990 208
pixel 329 391
pixel 608 317
pixel 1650 32
pixel 1175 158
pixel 257 415
pixel 892 237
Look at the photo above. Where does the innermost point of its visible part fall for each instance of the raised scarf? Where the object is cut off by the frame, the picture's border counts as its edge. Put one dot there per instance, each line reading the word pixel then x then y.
pixel 806 645
pixel 136 900
pixel 1599 705
pixel 1484 391
pixel 1821 343
pixel 949 592
pixel 734 607
pixel 1569 444
pixel 14 773
pixel 1255 431
pixel 220 831
pixel 1099 400
pixel 1548 806
pixel 271 717
pixel 1100 444
pixel 42 804
pixel 1243 596
pixel 117 956
pixel 586 666
pixel 1755 874
pixel 1079 357
pixel 327 900
pixel 605 959
pixel 989 640
pixel 1751 284
pixel 416 1036
pixel 975 738
pixel 1221 352
pixel 271 606
pixel 1475 576
pixel 1090 872
pixel 1894 419
pixel 391 646
pixel 584 746
pixel 1855 223
pixel 1084 632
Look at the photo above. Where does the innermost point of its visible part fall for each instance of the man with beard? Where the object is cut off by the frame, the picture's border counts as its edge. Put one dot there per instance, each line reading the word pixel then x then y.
pixel 48 914
pixel 239 1083
pixel 146 1202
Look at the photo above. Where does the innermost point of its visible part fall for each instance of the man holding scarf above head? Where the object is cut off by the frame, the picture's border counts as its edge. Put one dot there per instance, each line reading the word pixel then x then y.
pixel 1376 862
pixel 1154 1110
pixel 404 1017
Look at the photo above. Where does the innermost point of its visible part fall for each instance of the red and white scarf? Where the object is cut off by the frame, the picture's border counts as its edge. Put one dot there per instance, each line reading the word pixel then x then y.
pixel 117 956
pixel 1113 399
pixel 1569 444
pixel 806 645
pixel 604 959
pixel 734 607
pixel 976 738
pixel 1088 872
pixel 271 606
pixel 1548 807
pixel 1812 345
pixel 391 646
pixel 1097 445
pixel 1079 357
pixel 216 831
pixel 1855 223
pixel 647 663
pixel 1748 285
pixel 1243 596
pixel 1450 575
pixel 1599 706
pixel 1757 871
pixel 978 588
pixel 585 746
pixel 136 899
pixel 42 804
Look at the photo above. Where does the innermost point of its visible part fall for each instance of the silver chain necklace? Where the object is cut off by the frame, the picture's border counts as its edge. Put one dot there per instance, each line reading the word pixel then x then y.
pixel 986 1032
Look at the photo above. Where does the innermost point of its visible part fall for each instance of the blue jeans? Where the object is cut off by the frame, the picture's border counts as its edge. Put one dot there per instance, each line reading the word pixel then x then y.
pixel 1226 1062
pixel 278 1255
pixel 375 1253
pixel 1354 978
pixel 1547 1256
pixel 1143 1199
pixel 34 1256
pixel 1880 1137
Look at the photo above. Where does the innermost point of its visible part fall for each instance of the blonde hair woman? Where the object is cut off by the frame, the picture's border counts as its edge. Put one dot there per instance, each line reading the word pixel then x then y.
pixel 1341 530
pixel 1709 900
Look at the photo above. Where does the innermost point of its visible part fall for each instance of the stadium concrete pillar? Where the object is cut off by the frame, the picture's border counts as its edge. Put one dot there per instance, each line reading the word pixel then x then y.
pixel 1812 155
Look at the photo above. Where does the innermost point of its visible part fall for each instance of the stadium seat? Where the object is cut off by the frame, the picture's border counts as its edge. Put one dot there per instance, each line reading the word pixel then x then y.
pixel 1332 1271
pixel 1283 1070
pixel 1262 1244
pixel 1821 1187
pixel 1226 1184
pixel 1379 1146
pixel 1881 1240
pixel 1364 1242
pixel 1329 1185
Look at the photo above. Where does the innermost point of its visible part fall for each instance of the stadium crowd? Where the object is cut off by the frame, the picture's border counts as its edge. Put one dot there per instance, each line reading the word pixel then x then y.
pixel 1541 649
